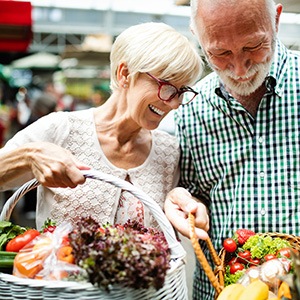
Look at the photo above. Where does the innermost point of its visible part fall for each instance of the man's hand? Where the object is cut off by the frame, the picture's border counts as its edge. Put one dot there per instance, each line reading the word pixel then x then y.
pixel 178 205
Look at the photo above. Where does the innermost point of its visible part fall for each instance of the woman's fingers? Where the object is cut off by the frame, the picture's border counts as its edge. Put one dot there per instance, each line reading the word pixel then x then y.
pixel 54 166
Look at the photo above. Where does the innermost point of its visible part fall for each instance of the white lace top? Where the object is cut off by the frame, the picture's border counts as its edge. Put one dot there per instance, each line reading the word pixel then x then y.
pixel 76 132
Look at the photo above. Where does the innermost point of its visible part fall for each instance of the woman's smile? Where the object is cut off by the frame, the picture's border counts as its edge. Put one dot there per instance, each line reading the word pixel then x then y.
pixel 156 110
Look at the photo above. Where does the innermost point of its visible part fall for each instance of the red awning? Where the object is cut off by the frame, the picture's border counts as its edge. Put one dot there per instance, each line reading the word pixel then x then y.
pixel 15 25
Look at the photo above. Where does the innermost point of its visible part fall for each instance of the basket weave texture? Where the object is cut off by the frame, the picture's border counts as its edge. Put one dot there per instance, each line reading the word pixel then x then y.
pixel 216 275
pixel 175 288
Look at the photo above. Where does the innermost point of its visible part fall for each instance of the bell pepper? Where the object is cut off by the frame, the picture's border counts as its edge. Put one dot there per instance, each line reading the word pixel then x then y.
pixel 65 254
pixel 17 243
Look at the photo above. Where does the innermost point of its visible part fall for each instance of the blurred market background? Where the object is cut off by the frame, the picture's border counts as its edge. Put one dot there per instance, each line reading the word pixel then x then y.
pixel 54 55
pixel 61 47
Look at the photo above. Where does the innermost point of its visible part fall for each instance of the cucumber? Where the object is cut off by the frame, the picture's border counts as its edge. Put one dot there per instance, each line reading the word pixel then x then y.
pixel 7 259
pixel 7 254
pixel 6 263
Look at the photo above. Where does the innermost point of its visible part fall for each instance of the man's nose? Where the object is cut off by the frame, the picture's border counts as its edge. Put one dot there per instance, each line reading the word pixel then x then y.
pixel 240 65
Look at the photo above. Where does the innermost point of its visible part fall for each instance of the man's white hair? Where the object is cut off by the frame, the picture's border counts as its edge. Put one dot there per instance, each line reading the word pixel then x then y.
pixel 195 5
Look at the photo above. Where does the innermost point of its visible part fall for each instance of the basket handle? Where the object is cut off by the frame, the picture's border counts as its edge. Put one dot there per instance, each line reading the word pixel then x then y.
pixel 176 249
pixel 217 282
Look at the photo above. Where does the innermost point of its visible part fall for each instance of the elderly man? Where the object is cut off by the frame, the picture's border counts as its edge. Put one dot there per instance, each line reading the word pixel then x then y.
pixel 240 163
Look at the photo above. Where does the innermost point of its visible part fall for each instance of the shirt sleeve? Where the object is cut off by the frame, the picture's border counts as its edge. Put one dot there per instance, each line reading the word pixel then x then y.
pixel 52 128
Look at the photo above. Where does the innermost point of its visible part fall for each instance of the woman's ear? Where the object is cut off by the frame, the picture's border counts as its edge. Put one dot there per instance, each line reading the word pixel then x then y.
pixel 122 75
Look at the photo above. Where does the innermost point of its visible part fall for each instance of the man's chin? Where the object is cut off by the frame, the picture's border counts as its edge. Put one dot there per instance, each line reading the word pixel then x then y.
pixel 243 89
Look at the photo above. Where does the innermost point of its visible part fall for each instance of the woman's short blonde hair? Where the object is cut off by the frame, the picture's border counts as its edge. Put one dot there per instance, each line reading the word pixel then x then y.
pixel 155 48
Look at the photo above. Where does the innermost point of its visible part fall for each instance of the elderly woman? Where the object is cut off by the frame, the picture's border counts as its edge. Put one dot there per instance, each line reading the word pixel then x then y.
pixel 151 67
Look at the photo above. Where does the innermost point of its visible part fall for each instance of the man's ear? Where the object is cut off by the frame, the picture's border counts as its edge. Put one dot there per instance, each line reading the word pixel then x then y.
pixel 279 11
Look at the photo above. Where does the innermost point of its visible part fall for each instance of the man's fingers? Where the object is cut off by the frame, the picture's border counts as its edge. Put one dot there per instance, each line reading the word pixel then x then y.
pixel 178 205
pixel 183 199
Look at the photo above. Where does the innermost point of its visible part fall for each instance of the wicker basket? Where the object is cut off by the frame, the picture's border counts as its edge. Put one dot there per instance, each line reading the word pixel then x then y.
pixel 220 259
pixel 13 288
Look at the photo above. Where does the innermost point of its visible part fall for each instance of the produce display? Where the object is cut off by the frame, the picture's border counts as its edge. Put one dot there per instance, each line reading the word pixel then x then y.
pixel 128 255
pixel 12 239
pixel 256 267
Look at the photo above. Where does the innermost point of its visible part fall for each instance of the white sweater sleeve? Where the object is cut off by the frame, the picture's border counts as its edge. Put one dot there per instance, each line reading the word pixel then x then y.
pixel 52 128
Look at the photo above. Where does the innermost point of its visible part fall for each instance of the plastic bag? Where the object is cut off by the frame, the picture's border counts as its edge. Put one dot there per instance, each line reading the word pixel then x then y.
pixel 49 257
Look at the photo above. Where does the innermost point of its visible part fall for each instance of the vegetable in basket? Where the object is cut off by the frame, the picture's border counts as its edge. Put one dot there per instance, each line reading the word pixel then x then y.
pixel 48 256
pixel 130 255
pixel 12 238
pixel 7 259
pixel 268 255
pixel 9 231
pixel 21 240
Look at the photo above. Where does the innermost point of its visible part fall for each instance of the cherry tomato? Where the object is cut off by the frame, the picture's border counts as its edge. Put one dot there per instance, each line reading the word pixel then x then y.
pixel 236 267
pixel 269 257
pixel 233 261
pixel 285 252
pixel 254 262
pixel 286 262
pixel 17 243
pixel 50 228
pixel 230 245
pixel 244 256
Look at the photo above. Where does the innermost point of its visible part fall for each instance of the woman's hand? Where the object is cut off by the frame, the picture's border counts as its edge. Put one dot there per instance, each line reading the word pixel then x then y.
pixel 54 166
pixel 179 203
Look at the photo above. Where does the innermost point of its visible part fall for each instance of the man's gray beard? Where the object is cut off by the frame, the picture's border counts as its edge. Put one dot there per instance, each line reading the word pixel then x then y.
pixel 259 71
pixel 243 88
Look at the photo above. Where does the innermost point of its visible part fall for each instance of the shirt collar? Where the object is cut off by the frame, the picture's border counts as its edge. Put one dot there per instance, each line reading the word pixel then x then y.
pixel 279 66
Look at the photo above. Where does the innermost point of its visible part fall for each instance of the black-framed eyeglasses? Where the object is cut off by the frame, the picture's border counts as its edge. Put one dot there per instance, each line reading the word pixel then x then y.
pixel 167 91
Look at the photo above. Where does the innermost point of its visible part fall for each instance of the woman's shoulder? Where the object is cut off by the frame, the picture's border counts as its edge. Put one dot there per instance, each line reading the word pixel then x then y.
pixel 69 118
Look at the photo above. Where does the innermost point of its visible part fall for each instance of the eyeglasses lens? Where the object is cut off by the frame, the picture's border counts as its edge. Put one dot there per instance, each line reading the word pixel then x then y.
pixel 187 97
pixel 167 92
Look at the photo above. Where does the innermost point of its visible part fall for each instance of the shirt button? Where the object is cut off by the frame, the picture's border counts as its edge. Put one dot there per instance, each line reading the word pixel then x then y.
pixel 263 212
pixel 262 174
pixel 260 139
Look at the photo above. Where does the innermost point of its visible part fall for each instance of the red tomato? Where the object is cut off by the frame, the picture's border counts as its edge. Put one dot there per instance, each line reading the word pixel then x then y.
pixel 236 267
pixel 17 243
pixel 230 245
pixel 269 257
pixel 285 252
pixel 50 228
pixel 244 256
pixel 254 262
pixel 286 262
pixel 233 261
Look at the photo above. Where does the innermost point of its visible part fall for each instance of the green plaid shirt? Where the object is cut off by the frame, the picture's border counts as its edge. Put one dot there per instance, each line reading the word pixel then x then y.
pixel 246 169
